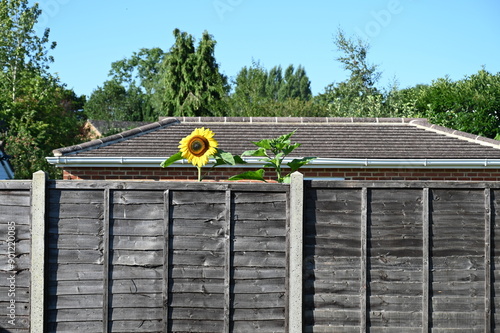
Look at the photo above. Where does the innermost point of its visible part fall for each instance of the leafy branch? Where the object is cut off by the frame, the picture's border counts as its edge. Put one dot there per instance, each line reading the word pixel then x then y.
pixel 273 153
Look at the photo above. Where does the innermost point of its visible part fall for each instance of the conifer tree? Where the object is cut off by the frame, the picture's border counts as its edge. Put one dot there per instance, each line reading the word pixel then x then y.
pixel 190 78
pixel 259 92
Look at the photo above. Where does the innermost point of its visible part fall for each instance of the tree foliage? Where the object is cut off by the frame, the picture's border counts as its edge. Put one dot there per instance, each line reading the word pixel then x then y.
pixel 131 93
pixel 357 96
pixel 151 83
pixel 186 82
pixel 38 113
pixel 191 82
pixel 22 52
pixel 140 70
pixel 471 104
pixel 258 92
pixel 114 102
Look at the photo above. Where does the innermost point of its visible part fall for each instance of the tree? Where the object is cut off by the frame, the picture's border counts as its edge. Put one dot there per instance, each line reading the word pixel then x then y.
pixel 471 105
pixel 184 82
pixel 38 113
pixel 114 102
pixel 48 116
pixel 22 52
pixel 273 83
pixel 131 93
pixel 252 89
pixel 258 92
pixel 190 78
pixel 358 95
pixel 363 75
pixel 140 70
pixel 294 84
pixel 403 102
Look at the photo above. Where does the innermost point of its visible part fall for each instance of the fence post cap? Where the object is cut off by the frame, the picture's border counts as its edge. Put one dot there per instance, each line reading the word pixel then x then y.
pixel 39 173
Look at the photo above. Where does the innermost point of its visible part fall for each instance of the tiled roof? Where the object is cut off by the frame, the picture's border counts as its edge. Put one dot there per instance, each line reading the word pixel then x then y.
pixel 373 138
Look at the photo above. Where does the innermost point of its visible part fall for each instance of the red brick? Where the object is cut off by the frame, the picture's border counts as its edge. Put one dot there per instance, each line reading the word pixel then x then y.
pixel 391 174
pixel 222 174
pixel 324 174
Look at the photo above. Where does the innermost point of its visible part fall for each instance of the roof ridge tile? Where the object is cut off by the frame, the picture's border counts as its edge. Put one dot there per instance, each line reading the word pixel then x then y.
pixel 294 120
pixel 426 125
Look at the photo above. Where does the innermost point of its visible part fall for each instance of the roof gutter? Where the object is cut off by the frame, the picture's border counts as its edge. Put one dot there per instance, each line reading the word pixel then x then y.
pixel 252 162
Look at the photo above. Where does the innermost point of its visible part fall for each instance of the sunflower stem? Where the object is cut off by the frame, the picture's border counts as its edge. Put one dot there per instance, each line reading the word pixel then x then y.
pixel 199 173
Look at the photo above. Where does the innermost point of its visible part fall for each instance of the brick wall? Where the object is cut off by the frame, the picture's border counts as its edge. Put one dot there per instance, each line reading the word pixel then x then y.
pixel 221 174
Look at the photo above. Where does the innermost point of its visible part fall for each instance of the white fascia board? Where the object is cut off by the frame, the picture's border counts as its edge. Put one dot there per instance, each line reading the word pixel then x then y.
pixel 252 162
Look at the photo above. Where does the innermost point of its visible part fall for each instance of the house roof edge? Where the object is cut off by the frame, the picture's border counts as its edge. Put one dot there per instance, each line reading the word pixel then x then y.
pixel 94 144
pixel 426 125
pixel 418 163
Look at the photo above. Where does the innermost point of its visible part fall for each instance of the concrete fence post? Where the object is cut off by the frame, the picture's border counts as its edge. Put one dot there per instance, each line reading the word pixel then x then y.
pixel 295 304
pixel 37 250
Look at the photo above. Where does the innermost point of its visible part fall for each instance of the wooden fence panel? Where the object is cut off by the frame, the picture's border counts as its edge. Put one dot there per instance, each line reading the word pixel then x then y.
pixel 411 257
pixel 15 259
pixel 395 243
pixel 136 245
pixel 259 234
pixel 167 257
pixel 332 256
pixel 458 252
pixel 197 303
pixel 75 260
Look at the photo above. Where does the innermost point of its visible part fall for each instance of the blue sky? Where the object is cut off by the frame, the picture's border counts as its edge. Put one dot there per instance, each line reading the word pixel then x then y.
pixel 412 41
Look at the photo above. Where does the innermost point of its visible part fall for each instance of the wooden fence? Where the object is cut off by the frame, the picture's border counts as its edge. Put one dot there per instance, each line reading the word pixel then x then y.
pixel 229 257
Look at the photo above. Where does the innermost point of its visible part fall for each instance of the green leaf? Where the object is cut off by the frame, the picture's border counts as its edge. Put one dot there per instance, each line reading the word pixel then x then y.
pixel 218 161
pixel 258 152
pixel 265 143
pixel 283 144
pixel 239 160
pixel 287 150
pixel 285 180
pixel 223 157
pixel 269 165
pixel 250 175
pixel 228 158
pixel 279 156
pixel 171 159
pixel 285 138
pixel 297 163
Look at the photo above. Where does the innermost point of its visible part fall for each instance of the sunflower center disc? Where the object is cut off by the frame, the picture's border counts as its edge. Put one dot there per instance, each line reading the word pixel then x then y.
pixel 198 146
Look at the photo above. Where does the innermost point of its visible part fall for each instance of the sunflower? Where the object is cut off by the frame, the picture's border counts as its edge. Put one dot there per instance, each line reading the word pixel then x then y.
pixel 198 146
